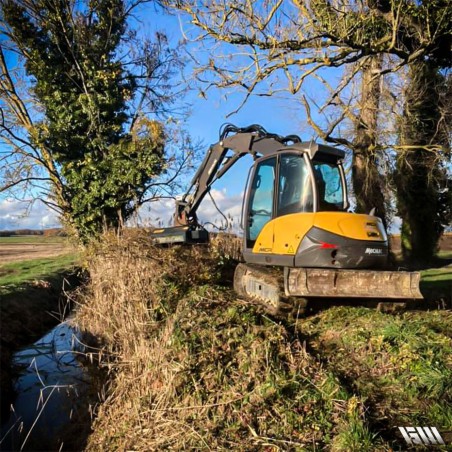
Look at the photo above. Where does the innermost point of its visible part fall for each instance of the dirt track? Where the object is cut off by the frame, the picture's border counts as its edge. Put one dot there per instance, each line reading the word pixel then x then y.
pixel 13 252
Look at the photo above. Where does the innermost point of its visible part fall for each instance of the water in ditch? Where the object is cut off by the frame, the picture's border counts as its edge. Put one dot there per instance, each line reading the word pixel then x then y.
pixel 51 389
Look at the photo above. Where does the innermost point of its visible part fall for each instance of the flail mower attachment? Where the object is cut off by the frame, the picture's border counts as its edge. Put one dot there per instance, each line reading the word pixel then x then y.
pixel 180 235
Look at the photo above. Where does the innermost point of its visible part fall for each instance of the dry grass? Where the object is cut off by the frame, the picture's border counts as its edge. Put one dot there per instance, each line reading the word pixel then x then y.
pixel 192 367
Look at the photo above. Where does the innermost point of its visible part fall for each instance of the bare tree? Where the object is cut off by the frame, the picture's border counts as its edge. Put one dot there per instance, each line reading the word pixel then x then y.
pixel 293 40
pixel 26 164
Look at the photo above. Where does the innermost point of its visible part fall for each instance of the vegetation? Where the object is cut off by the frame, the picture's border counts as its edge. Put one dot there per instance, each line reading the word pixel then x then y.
pixel 401 366
pixel 90 140
pixel 190 365
pixel 193 367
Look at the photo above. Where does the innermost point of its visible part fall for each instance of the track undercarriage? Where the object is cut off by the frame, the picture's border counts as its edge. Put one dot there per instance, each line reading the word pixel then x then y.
pixel 291 291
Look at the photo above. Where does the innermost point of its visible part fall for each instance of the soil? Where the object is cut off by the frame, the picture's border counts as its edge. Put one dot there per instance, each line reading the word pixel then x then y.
pixel 445 244
pixel 14 252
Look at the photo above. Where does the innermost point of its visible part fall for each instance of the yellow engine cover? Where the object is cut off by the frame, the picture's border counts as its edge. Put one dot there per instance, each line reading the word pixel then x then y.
pixel 283 235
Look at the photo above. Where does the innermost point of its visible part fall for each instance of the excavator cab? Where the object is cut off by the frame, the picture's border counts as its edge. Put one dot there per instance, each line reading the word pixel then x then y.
pixel 330 182
pixel 290 183
pixel 295 213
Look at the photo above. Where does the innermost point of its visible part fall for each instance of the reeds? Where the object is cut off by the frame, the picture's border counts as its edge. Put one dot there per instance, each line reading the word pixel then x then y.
pixel 193 367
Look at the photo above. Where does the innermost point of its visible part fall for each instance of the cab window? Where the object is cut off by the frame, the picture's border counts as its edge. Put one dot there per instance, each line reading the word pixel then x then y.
pixel 329 186
pixel 261 202
pixel 294 186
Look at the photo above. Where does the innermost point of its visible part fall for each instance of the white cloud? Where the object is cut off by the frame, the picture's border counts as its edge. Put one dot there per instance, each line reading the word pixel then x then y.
pixel 14 215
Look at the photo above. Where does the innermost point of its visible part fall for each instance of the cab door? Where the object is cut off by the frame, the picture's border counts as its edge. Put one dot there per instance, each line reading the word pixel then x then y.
pixel 260 206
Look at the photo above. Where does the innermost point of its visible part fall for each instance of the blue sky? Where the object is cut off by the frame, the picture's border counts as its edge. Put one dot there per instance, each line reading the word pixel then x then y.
pixel 282 114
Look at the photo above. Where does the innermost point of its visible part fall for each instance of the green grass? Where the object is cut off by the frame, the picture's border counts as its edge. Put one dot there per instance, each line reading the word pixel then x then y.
pixel 17 273
pixel 401 365
pixel 437 274
pixel 32 239
pixel 437 282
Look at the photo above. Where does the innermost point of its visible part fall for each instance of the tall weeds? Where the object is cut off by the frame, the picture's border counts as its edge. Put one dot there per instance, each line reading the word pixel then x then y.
pixel 192 367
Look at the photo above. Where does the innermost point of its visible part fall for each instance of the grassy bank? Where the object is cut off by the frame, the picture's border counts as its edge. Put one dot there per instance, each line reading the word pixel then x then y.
pixel 30 291
pixel 193 367
pixel 400 365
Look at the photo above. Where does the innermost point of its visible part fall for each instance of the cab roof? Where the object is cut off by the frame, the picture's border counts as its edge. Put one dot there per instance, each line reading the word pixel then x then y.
pixel 313 148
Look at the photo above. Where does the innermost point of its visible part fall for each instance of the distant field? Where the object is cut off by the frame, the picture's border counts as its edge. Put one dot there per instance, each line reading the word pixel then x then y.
pixel 19 248
pixel 16 273
pixel 445 244
pixel 32 239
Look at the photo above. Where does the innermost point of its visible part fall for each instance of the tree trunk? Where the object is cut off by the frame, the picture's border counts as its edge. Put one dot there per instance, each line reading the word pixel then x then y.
pixel 419 172
pixel 366 178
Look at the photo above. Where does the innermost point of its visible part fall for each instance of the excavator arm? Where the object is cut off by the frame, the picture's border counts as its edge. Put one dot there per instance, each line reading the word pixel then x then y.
pixel 233 145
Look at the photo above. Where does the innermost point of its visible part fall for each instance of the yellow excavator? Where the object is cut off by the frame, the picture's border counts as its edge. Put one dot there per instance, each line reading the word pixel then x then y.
pixel 300 241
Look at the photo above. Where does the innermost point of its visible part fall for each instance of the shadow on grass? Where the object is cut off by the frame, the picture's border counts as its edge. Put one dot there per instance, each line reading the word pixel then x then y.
pixel 437 296
pixel 436 284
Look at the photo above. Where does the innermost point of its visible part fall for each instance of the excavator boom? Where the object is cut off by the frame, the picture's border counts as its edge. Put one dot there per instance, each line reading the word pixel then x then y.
pixel 252 140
